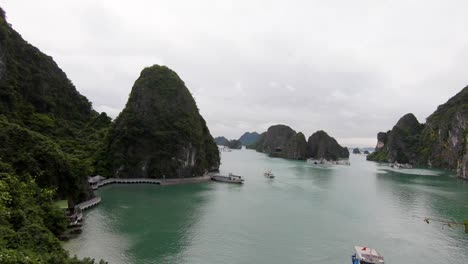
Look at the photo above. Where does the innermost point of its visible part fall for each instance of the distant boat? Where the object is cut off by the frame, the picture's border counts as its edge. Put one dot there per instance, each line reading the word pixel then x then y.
pixel 231 178
pixel 224 148
pixel 365 255
pixel 401 165
pixel 328 162
pixel 269 174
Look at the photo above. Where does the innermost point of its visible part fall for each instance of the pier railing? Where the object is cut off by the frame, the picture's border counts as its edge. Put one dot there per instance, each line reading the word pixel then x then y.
pixel 90 203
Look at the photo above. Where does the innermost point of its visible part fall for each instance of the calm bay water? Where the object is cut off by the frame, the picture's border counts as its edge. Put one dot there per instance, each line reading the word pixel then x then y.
pixel 305 215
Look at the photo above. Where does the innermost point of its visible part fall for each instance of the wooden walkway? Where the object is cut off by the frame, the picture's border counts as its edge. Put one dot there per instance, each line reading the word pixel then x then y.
pixel 126 181
pixel 90 203
pixel 96 200
pixel 203 178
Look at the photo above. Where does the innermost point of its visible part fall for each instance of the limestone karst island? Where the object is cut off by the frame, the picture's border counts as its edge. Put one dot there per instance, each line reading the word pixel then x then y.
pixel 233 132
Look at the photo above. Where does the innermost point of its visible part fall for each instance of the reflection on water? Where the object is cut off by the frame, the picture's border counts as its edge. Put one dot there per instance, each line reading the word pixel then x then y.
pixel 306 214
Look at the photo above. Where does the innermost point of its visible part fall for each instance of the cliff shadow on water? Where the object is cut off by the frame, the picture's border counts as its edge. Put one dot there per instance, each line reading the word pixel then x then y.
pixel 154 223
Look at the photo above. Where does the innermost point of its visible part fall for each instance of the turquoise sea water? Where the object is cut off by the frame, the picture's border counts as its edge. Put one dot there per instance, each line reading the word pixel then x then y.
pixel 305 215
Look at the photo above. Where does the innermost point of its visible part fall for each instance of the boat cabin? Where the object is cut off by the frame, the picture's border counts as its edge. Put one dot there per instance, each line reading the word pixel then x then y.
pixel 365 255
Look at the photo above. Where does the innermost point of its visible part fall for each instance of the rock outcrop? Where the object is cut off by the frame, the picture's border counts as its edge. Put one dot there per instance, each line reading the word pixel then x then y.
pixel 248 138
pixel 296 148
pixel 321 146
pixel 381 140
pixel 444 137
pixel 283 142
pixel 399 144
pixel 441 142
pixel 234 144
pixel 160 132
pixel 221 141
pixel 356 151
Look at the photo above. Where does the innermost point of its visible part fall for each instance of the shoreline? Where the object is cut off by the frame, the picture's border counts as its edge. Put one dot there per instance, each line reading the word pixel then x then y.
pixel 96 200
pixel 161 182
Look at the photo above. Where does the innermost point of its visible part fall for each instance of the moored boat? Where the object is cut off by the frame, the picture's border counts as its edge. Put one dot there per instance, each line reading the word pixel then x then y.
pixel 231 178
pixel 328 162
pixel 365 255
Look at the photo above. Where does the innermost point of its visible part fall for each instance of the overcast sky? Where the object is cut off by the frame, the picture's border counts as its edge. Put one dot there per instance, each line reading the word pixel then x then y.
pixel 351 68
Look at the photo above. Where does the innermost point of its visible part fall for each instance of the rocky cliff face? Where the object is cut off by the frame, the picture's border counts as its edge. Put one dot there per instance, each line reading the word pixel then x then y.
pixel 249 138
pixel 276 138
pixel 440 143
pixel 160 132
pixel 283 142
pixel 462 166
pixel 381 140
pixel 296 148
pixel 321 145
pixel 399 144
pixel 403 140
pixel 234 144
pixel 444 137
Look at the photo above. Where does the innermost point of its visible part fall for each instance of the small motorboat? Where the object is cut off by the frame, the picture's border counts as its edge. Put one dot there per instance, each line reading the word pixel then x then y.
pixel 231 178
pixel 365 255
pixel 269 174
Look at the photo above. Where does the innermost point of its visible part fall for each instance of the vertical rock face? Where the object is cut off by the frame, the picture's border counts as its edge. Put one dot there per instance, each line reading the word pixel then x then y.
pixel 321 145
pixel 283 142
pixel 276 138
pixel 441 142
pixel 160 132
pixel 462 167
pixel 381 140
pixel 296 148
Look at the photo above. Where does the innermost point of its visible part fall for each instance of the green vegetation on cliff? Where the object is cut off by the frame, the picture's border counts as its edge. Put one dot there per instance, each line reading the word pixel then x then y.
pixel 49 142
pixel 442 139
pixel 160 132
pixel 439 143
pixel 30 222
pixel 401 143
pixel 37 96
pixel 322 146
pixel 283 142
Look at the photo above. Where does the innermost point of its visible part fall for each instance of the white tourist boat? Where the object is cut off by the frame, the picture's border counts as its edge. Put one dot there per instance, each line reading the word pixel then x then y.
pixel 365 255
pixel 231 178
pixel 269 174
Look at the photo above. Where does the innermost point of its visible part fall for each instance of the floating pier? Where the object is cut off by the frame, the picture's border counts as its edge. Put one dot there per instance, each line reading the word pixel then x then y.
pixel 125 181
pixel 90 203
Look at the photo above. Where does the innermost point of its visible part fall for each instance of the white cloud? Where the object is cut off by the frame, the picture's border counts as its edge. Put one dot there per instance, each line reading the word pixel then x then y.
pixel 351 68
